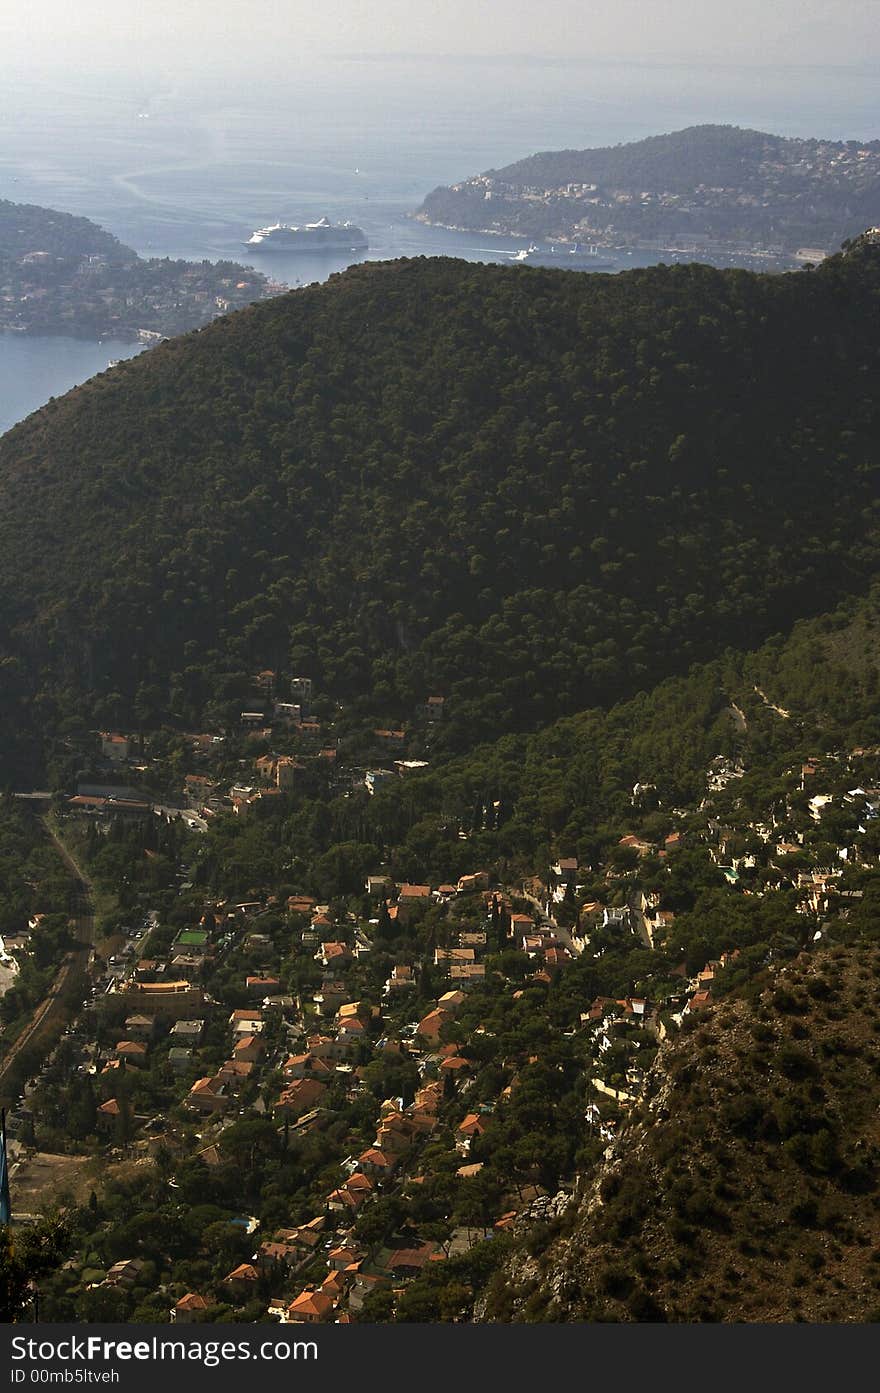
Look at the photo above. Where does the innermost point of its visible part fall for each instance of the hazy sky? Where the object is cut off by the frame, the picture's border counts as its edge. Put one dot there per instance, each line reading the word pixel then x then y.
pixel 140 34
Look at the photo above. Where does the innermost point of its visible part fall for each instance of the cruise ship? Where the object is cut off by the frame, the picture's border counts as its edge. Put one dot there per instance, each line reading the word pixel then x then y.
pixel 564 258
pixel 310 237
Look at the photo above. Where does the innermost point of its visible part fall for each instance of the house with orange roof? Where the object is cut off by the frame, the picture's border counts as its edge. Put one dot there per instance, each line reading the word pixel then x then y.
pixel 299 1097
pixel 265 767
pixel 310 1308
pixel 114 747
pixel 334 954
pixel 465 974
pixel 376 1163
pixel 360 1010
pixel 634 843
pixel 249 1049
pixel 410 899
pixel 391 738
pixel 276 1254
pixel 557 957
pixel 350 1033
pixel 350 1196
pixel 456 1066
pixel 243 1280
pixel 108 1113
pixel 698 1002
pixel 308 1066
pixel 247 1016
pixel 429 1026
pixel 305 1238
pixel 234 1074
pixel 344 1256
pixel 409 1261
pixel 259 987
pixel 395 1135
pixel 189 1309
pixel 300 904
pixel 359 1183
pixel 208 1096
pixel 452 1000
pixel 478 880
pixel 474 1125
pixel 335 1285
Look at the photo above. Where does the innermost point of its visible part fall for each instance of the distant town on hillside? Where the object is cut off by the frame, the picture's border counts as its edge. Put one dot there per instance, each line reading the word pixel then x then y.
pixel 706 190
pixel 61 274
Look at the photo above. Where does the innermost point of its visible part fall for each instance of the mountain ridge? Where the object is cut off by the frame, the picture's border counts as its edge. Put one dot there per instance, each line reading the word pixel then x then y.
pixel 324 482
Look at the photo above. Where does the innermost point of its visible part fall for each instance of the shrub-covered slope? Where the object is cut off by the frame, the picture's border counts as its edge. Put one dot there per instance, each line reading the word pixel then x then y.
pixel 745 1188
pixel 529 492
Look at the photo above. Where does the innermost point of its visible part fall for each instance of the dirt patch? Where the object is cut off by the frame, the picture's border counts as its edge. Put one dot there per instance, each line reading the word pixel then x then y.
pixel 42 1176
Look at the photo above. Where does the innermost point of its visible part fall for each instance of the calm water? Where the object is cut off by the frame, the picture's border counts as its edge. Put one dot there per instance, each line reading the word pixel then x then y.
pixel 34 369
pixel 185 170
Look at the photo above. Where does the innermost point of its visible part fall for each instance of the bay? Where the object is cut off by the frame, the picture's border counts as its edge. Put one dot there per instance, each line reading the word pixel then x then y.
pixel 33 369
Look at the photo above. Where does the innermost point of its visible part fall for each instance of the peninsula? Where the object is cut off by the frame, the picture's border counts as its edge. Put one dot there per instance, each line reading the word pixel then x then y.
pixel 708 191
pixel 61 274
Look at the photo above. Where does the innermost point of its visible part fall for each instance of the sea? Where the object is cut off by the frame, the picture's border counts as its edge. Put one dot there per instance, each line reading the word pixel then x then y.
pixel 180 164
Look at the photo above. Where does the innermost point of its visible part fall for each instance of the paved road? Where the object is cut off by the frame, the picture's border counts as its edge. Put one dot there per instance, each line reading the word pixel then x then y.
pixel 562 934
pixel 639 920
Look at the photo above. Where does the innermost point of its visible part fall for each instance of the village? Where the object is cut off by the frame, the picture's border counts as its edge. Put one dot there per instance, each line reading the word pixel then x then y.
pixel 711 219
pixel 398 1035
pixel 136 300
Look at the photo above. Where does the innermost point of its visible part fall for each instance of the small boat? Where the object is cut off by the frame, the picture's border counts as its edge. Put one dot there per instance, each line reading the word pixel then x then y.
pixel 564 258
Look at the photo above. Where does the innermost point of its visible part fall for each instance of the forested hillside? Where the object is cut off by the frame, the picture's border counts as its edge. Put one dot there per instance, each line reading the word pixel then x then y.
pixel 529 493
pixel 26 228
pixel 712 186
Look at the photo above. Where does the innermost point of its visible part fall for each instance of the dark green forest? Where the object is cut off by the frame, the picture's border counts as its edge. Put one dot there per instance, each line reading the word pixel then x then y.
pixel 531 494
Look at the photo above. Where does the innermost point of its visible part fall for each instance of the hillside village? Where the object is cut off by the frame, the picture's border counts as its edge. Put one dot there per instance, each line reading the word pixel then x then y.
pixel 347 1092
pixel 780 203
pixel 61 274
pixel 138 300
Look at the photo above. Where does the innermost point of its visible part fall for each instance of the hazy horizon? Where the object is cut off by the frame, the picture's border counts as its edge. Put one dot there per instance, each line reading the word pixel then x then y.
pixel 169 34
